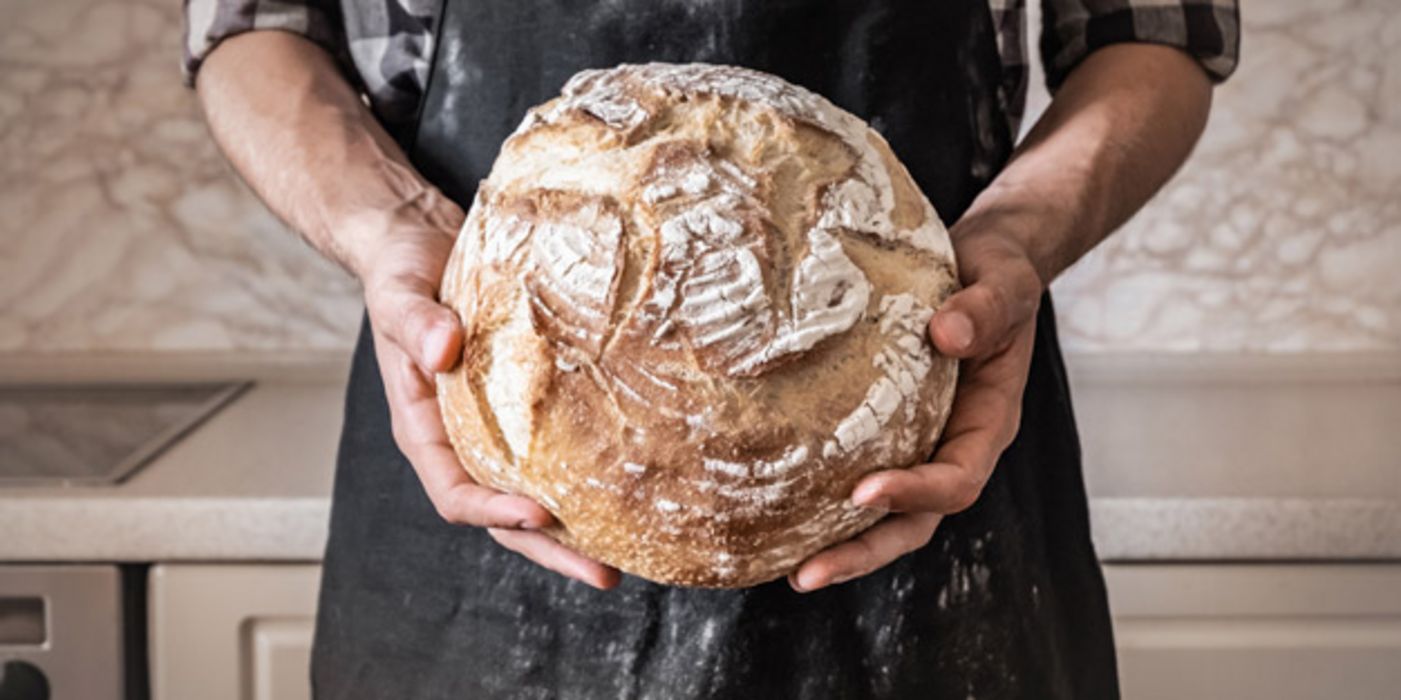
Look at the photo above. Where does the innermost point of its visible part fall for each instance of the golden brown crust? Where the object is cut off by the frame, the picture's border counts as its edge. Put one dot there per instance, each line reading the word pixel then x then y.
pixel 695 299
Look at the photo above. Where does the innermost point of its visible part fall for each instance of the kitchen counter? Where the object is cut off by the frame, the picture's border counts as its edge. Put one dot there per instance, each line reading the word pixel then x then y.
pixel 250 483
pixel 1245 529
pixel 253 483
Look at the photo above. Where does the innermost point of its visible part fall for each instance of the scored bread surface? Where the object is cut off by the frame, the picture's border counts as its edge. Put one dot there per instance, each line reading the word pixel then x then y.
pixel 695 300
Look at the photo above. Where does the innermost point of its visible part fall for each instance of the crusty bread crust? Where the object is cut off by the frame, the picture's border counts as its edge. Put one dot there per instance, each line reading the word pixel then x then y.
pixel 695 300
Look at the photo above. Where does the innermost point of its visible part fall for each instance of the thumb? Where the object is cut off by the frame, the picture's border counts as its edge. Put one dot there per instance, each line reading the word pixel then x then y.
pixel 425 330
pixel 979 319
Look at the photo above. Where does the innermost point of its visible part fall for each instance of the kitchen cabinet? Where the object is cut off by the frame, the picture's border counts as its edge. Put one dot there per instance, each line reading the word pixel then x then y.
pixel 61 631
pixel 1203 631
pixel 231 632
pixel 1245 631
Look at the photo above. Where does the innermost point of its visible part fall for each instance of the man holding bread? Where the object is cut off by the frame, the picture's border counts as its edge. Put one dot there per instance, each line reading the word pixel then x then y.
pixel 369 125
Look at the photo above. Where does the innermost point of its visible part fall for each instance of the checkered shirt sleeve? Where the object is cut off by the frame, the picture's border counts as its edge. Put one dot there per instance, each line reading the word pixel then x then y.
pixel 208 22
pixel 1208 30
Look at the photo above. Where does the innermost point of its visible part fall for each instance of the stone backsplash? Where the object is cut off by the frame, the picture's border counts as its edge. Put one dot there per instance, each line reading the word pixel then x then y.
pixel 123 230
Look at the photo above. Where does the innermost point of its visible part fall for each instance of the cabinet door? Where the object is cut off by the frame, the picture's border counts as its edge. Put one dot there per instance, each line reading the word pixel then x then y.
pixel 231 632
pixel 1257 631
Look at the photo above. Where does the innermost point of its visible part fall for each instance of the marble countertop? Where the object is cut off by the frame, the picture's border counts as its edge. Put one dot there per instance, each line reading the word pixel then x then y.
pixel 253 483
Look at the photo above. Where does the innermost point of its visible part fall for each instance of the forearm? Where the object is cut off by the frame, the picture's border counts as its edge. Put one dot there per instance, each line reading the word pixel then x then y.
pixel 298 133
pixel 1122 123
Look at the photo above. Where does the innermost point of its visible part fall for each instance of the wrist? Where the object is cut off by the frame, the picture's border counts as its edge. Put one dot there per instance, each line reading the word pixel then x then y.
pixel 417 218
pixel 1017 230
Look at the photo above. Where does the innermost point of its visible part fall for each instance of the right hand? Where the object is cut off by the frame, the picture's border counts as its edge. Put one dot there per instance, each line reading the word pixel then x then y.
pixel 416 337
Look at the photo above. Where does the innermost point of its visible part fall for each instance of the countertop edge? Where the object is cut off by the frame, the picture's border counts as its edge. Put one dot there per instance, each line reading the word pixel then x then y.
pixel 294 529
pixel 1246 529
pixel 164 529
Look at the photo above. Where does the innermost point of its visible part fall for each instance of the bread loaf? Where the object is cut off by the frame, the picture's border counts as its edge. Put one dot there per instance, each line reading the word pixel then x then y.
pixel 696 302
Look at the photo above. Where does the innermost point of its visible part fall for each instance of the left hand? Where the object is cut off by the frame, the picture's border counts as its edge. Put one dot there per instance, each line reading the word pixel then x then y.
pixel 417 337
pixel 990 325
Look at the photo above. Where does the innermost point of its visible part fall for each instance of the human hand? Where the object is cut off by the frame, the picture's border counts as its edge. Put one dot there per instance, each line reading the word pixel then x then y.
pixel 990 325
pixel 416 337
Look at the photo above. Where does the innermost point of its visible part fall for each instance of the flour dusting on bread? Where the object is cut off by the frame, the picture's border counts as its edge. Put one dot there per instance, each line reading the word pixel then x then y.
pixel 695 300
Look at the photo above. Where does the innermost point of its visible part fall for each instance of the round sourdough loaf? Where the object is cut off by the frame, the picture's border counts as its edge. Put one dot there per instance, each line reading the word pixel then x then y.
pixel 696 301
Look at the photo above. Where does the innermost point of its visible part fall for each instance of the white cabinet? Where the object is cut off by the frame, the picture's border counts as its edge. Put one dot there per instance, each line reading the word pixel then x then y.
pixel 1275 632
pixel 1201 631
pixel 231 632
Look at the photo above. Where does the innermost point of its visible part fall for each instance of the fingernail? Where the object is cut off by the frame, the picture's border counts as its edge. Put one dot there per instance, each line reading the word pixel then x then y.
pixel 869 497
pixel 959 329
pixel 528 525
pixel 434 343
pixel 808 583
pixel 878 503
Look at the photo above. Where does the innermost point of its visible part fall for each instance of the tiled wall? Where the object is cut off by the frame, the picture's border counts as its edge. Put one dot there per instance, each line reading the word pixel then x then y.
pixel 121 228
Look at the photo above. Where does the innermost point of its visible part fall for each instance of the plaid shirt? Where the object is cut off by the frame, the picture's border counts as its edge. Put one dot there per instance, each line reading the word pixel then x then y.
pixel 385 46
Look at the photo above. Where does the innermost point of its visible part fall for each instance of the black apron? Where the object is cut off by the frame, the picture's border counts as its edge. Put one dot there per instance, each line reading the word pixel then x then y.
pixel 1006 601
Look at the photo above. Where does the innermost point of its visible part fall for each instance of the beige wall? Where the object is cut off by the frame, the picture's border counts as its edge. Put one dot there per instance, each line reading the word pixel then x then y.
pixel 123 230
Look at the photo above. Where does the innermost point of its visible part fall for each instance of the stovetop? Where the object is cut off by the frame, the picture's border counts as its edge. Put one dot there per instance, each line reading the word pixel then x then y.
pixel 97 434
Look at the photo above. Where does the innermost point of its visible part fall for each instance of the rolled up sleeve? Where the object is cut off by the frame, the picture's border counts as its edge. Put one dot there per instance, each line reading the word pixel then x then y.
pixel 208 22
pixel 1207 30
